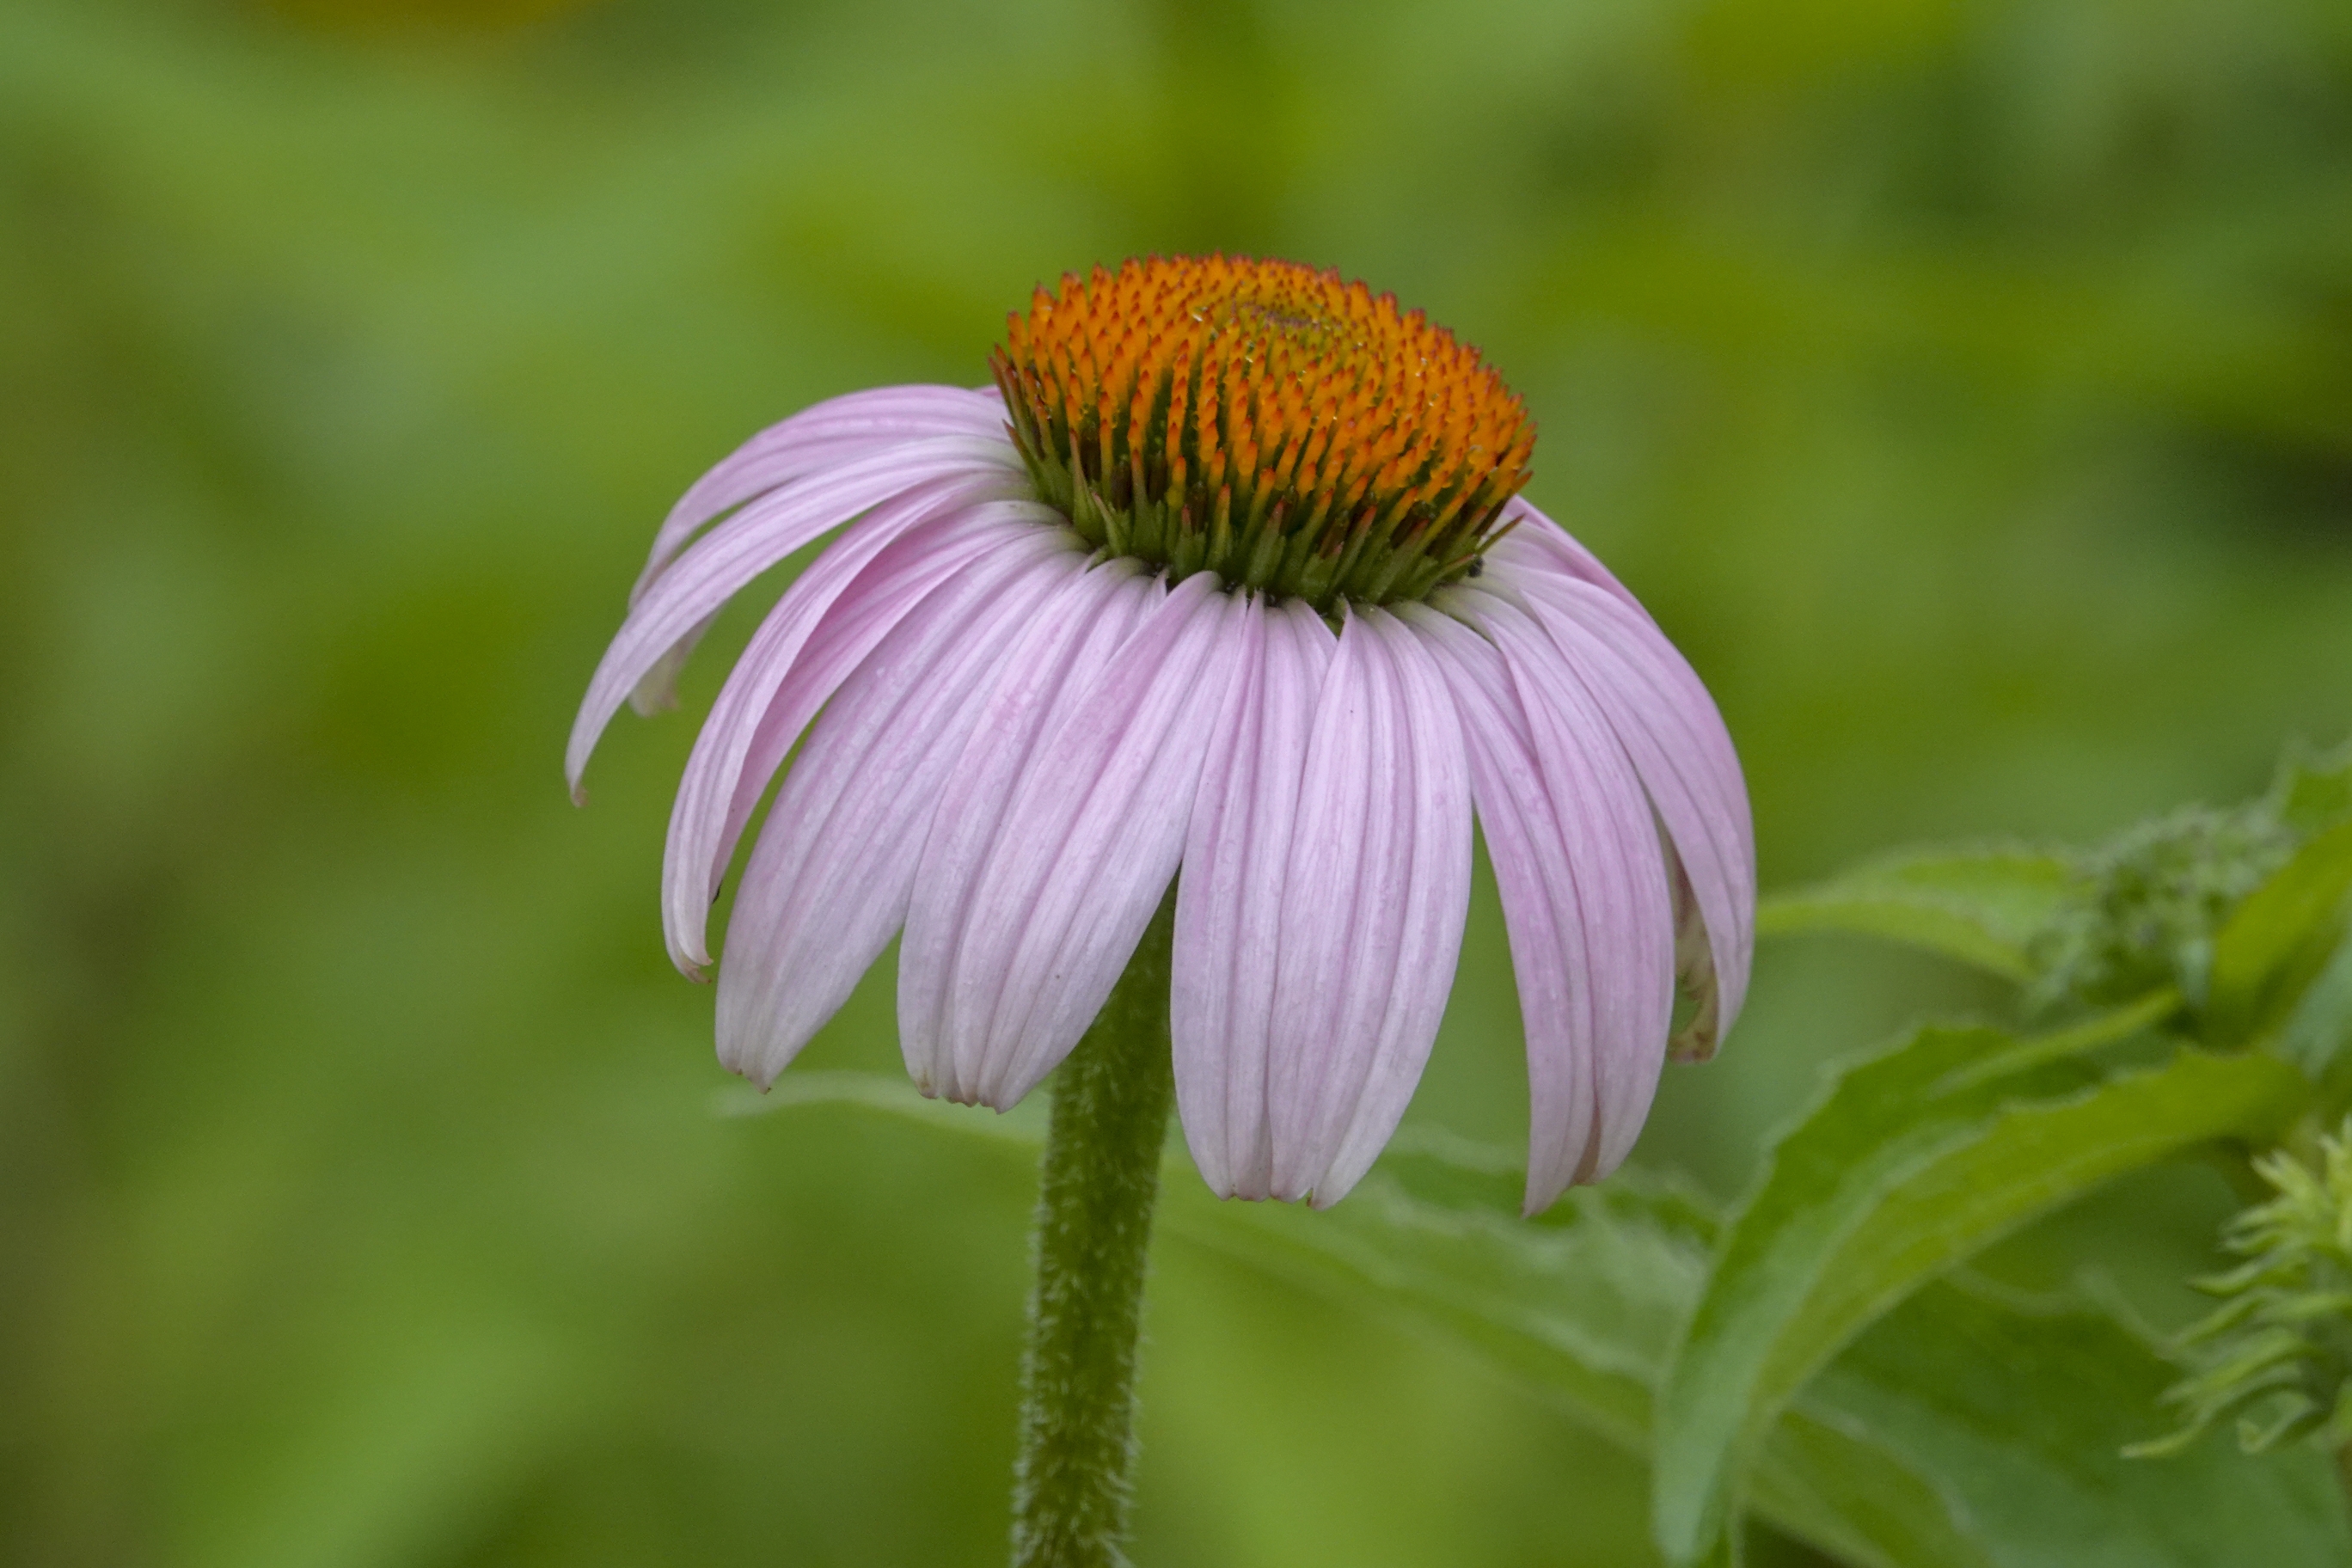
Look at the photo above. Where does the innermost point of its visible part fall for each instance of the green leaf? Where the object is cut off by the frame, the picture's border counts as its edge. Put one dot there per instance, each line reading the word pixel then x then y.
pixel 2316 1034
pixel 1912 1160
pixel 1980 906
pixel 2313 793
pixel 1961 1431
pixel 1950 1436
pixel 1023 1127
pixel 2021 1412
pixel 2281 939
pixel 1581 1303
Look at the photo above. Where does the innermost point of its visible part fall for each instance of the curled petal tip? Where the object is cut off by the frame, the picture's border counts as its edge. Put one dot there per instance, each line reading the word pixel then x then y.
pixel 689 954
pixel 1694 1045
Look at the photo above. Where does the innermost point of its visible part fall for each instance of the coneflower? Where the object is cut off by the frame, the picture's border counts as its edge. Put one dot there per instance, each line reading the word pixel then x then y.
pixel 1226 583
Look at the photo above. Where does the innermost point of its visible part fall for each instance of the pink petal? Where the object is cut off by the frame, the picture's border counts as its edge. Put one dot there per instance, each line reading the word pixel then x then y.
pixel 828 879
pixel 808 645
pixel 1669 726
pixel 1542 913
pixel 1376 891
pixel 667 620
pixel 1430 794
pixel 914 460
pixel 818 438
pixel 1537 539
pixel 1229 902
pixel 1046 674
pixel 1086 849
pixel 1620 875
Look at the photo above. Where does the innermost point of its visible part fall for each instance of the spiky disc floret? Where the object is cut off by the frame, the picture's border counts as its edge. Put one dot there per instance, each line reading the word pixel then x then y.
pixel 1264 421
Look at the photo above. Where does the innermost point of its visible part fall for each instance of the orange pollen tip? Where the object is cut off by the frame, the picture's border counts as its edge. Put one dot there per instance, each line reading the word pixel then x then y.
pixel 1294 434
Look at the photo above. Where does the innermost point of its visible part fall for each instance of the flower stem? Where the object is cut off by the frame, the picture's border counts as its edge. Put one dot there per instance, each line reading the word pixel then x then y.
pixel 1099 1180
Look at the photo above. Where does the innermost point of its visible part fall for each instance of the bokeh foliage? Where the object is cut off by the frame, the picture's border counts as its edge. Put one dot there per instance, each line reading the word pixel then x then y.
pixel 1967 386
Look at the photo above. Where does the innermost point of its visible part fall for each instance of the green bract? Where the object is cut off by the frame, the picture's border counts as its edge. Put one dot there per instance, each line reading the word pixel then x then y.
pixel 2277 1353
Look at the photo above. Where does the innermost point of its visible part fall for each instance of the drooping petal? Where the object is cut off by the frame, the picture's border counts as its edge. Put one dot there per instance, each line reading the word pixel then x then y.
pixel 1046 673
pixel 782 520
pixel 1620 875
pixel 1086 849
pixel 827 882
pixel 916 460
pixel 1430 792
pixel 1676 738
pixel 1376 891
pixel 1543 912
pixel 667 620
pixel 1229 902
pixel 808 645
pixel 1534 537
pixel 840 429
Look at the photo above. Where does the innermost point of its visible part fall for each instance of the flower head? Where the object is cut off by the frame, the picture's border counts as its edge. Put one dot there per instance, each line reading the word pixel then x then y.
pixel 1266 422
pixel 1226 583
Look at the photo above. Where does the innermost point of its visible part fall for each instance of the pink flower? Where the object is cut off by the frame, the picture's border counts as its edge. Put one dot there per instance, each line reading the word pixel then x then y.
pixel 1235 591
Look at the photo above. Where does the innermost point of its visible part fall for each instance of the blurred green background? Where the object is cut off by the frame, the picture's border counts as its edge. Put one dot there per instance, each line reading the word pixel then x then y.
pixel 1967 386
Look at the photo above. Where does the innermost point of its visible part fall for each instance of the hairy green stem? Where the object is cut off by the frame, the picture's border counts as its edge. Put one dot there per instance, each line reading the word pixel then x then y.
pixel 1097 1188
